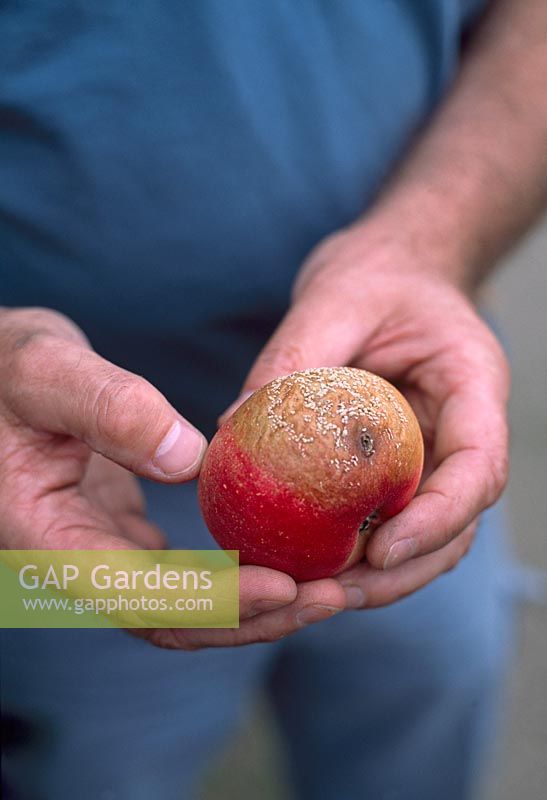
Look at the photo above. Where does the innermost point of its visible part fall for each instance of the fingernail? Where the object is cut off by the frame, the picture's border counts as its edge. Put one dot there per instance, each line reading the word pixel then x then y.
pixel 400 552
pixel 233 406
pixel 355 597
pixel 181 450
pixel 266 605
pixel 315 613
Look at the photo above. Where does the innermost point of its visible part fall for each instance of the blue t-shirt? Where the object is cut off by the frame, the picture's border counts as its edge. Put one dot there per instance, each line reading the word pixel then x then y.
pixel 165 167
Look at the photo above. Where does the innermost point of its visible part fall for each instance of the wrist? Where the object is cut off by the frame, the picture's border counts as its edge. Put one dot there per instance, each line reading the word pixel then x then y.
pixel 414 234
pixel 392 251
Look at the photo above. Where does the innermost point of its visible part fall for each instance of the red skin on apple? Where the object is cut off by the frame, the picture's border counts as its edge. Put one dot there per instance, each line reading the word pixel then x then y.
pixel 307 467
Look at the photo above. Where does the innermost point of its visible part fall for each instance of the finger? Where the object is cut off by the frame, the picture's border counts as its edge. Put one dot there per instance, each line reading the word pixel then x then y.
pixel 316 601
pixel 262 589
pixel 62 387
pixel 367 587
pixel 112 487
pixel 314 333
pixel 116 492
pixel 138 529
pixel 470 454
pixel 321 329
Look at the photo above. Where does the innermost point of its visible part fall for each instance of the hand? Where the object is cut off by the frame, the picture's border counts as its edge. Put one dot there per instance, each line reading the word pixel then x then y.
pixel 377 305
pixel 73 427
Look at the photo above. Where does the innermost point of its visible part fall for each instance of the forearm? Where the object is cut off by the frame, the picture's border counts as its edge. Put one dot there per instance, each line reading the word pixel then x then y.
pixel 477 176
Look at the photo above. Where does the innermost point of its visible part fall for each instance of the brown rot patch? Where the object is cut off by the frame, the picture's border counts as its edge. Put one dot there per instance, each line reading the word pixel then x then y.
pixel 367 443
pixel 369 522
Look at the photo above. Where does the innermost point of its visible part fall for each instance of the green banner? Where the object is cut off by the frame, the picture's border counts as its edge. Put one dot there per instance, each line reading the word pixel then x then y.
pixel 119 588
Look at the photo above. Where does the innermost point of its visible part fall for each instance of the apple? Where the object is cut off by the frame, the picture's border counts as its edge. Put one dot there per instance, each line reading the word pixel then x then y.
pixel 307 467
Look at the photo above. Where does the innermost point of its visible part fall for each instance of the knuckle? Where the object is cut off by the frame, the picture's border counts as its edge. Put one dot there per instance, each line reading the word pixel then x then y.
pixel 496 474
pixel 49 320
pixel 452 559
pixel 498 356
pixel 501 471
pixel 468 538
pixel 24 331
pixel 467 546
pixel 158 539
pixel 29 354
pixel 504 366
pixel 462 551
pixel 459 548
pixel 110 407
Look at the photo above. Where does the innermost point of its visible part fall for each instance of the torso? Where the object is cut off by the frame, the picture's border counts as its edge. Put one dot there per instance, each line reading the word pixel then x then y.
pixel 163 172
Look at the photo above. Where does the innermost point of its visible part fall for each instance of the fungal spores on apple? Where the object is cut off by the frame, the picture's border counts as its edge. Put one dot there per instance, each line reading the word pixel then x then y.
pixel 303 471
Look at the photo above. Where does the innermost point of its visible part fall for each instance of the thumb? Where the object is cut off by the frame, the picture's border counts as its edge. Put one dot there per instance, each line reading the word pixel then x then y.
pixel 63 387
pixel 321 329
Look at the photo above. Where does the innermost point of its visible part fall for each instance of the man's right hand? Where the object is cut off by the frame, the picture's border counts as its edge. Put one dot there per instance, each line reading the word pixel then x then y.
pixel 73 427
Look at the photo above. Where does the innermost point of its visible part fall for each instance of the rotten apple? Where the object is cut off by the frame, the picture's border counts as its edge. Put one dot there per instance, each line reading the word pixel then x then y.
pixel 307 467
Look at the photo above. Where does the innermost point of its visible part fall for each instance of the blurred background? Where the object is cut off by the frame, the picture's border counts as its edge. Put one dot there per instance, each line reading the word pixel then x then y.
pixel 253 766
